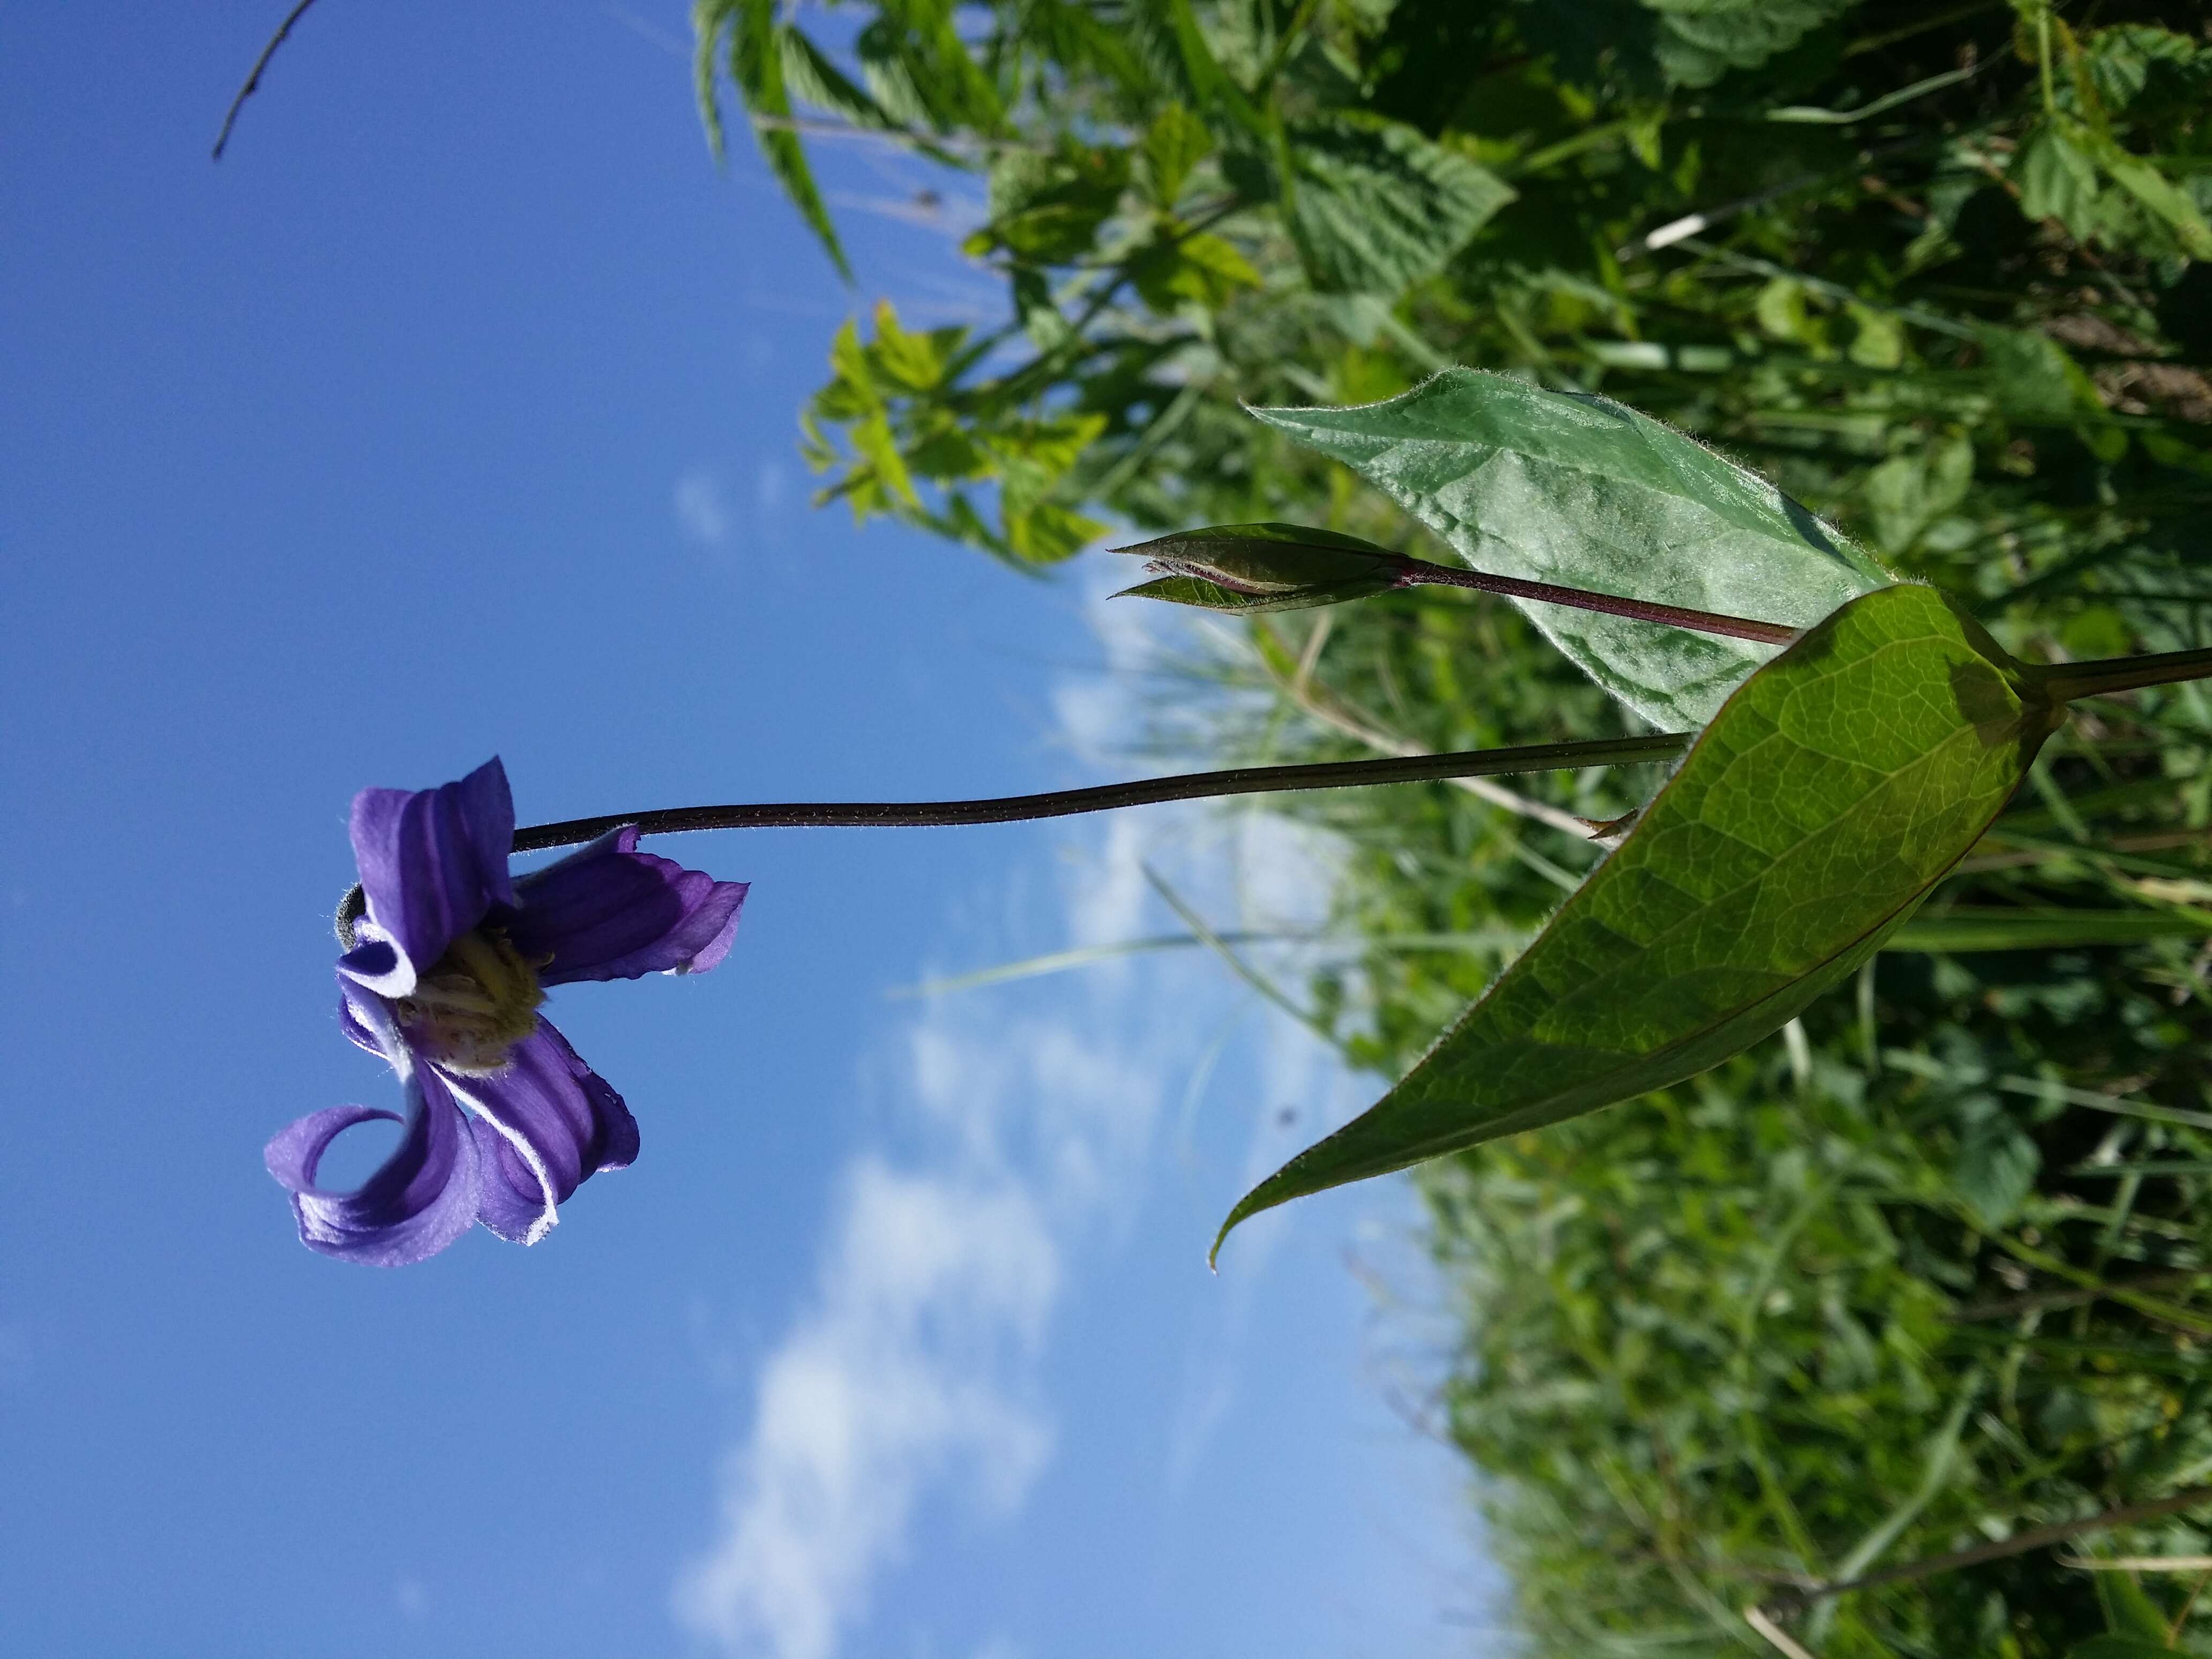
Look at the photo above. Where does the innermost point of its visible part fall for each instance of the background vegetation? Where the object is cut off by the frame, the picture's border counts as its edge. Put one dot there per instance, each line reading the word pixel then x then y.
pixel 1934 1269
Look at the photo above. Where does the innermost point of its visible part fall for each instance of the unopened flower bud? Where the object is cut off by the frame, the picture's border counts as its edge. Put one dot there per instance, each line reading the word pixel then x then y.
pixel 1266 567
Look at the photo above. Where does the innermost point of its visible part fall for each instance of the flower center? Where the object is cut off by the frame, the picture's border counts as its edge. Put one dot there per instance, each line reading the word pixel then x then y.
pixel 469 1012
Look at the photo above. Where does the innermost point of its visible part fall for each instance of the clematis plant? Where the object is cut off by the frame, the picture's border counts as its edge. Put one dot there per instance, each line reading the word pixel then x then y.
pixel 447 956
pixel 1850 756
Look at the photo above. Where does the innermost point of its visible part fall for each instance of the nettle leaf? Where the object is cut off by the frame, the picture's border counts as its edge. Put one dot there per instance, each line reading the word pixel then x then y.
pixel 1377 206
pixel 1699 41
pixel 1582 492
pixel 747 30
pixel 1803 828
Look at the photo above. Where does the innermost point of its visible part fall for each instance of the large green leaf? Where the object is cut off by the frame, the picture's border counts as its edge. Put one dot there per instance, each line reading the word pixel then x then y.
pixel 1377 206
pixel 1803 828
pixel 1580 491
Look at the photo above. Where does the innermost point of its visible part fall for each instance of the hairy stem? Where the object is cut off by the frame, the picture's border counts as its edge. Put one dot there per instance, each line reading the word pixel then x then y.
pixel 1140 792
pixel 1424 575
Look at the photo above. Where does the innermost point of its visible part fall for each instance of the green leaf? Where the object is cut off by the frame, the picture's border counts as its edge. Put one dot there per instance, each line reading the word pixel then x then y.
pixel 1190 61
pixel 1046 208
pixel 2128 62
pixel 810 76
pixel 1997 1165
pixel 1805 825
pixel 1580 491
pixel 1684 42
pixel 1203 268
pixel 1046 534
pixel 2160 195
pixel 1908 493
pixel 1701 40
pixel 2129 1613
pixel 913 46
pixel 2032 379
pixel 1174 143
pixel 2058 180
pixel 756 63
pixel 1377 207
pixel 2118 1647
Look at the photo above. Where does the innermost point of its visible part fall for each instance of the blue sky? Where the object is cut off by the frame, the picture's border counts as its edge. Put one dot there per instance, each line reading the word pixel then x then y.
pixel 452 415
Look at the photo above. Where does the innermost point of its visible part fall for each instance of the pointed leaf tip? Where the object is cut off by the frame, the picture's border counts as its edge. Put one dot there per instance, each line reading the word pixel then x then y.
pixel 1830 793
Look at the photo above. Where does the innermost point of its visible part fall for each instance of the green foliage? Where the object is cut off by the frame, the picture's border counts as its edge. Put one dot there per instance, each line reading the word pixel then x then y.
pixel 1375 207
pixel 1930 271
pixel 1810 820
pixel 895 436
pixel 1581 492
pixel 756 50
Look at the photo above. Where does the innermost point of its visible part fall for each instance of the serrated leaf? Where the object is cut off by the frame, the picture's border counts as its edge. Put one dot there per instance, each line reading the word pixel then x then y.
pixel 1583 492
pixel 755 63
pixel 1180 48
pixel 1804 826
pixel 1377 206
pixel 810 75
pixel 913 52
pixel 1176 142
pixel 1700 40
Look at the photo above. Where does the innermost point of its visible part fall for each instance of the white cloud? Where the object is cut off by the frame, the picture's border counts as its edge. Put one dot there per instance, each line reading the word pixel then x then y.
pixel 702 511
pixel 907 1371
pixel 911 1377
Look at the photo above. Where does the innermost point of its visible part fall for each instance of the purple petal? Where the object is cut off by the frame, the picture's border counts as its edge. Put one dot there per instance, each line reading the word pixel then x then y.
pixel 421 1199
pixel 608 911
pixel 367 1022
pixel 375 963
pixel 545 1124
pixel 433 862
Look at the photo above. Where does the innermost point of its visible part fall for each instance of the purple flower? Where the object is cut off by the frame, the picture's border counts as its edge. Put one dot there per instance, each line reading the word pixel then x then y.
pixel 443 978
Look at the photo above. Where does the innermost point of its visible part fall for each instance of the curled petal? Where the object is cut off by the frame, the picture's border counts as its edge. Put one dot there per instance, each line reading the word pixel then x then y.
pixel 433 862
pixel 419 1200
pixel 374 962
pixel 544 1124
pixel 608 911
pixel 362 1030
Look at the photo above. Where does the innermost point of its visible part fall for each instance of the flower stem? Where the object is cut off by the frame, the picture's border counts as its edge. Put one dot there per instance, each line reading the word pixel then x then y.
pixel 1140 792
pixel 2067 681
pixel 1422 573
